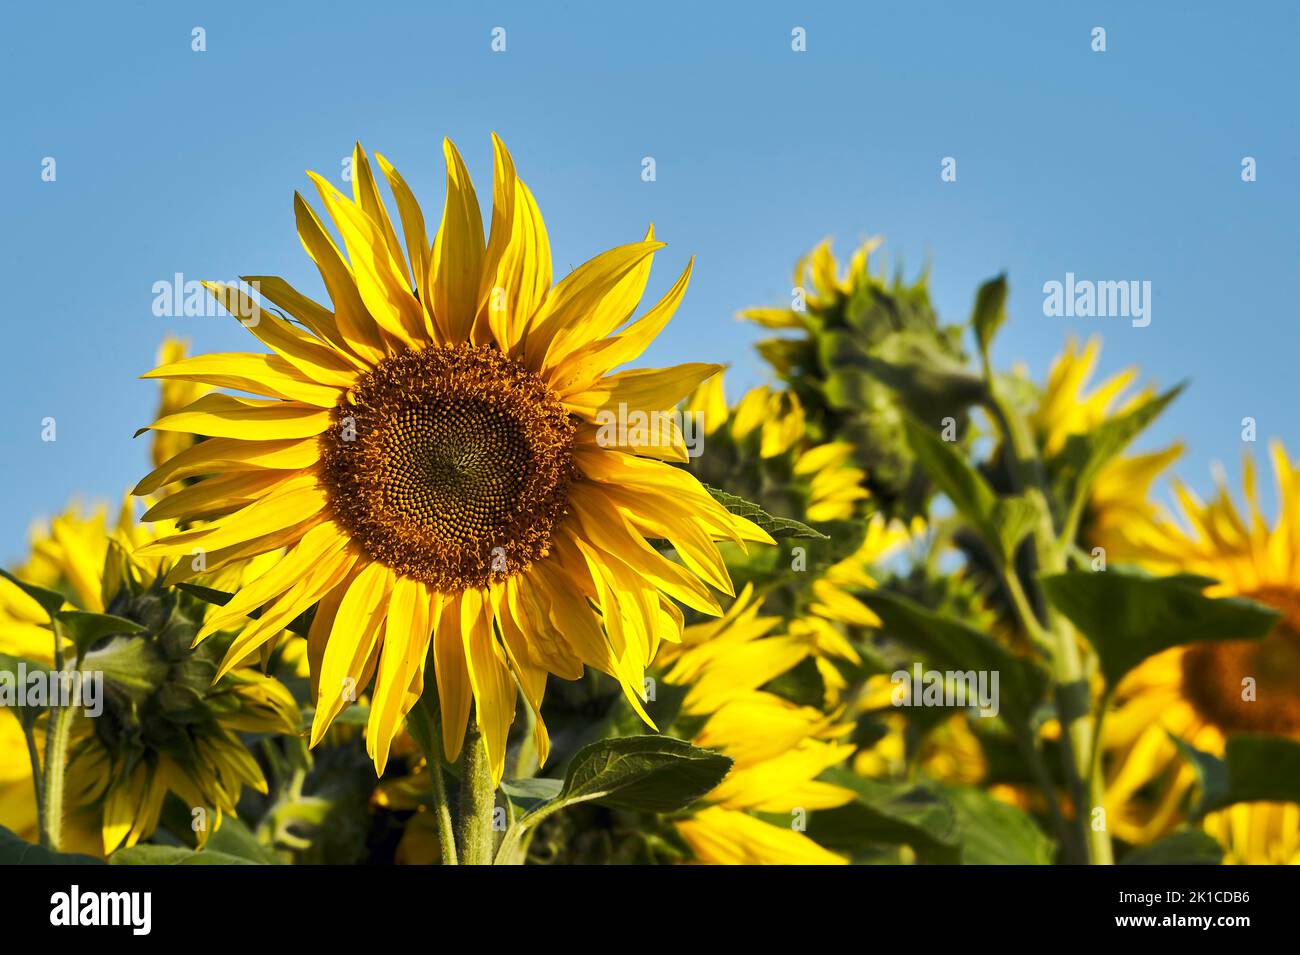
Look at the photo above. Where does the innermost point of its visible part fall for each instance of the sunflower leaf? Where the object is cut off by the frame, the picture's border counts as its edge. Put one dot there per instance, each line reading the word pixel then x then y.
pixel 173 855
pixel 49 600
pixel 990 311
pixel 1003 522
pixel 1084 455
pixel 19 669
pixel 528 794
pixel 1184 847
pixel 778 527
pixel 994 832
pixel 950 644
pixel 235 839
pixel 86 629
pixel 16 851
pixel 1128 617
pixel 645 773
pixel 1255 768
pixel 887 814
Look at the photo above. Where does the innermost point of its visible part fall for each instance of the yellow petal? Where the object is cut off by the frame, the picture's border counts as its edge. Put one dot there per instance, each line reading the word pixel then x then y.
pixel 457 261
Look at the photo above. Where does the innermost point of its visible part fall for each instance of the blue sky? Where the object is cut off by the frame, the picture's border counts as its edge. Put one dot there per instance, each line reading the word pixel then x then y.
pixel 1115 165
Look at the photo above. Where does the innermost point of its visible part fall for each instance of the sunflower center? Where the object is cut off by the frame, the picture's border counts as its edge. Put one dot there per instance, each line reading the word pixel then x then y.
pixel 450 465
pixel 1250 685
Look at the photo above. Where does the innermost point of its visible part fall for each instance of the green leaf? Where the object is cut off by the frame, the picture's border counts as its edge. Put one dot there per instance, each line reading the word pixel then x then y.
pixel 887 814
pixel 49 600
pixel 236 840
pixel 20 669
pixel 10 664
pixel 86 628
pixel 949 644
pixel 990 311
pixel 992 832
pixel 16 851
pixel 528 794
pixel 1185 847
pixel 1128 617
pixel 172 855
pixel 1211 772
pixel 644 773
pixel 778 527
pixel 1001 522
pixel 1255 768
pixel 1084 455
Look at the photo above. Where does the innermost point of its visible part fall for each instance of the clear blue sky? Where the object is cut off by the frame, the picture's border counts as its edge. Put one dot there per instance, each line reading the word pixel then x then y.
pixel 1120 165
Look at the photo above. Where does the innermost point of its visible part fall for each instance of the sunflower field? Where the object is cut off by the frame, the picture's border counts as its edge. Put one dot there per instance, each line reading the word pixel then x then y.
pixel 435 574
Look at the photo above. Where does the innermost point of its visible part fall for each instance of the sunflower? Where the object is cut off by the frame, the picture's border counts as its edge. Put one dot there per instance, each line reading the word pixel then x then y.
pixel 1119 498
pixel 435 455
pixel 778 747
pixel 949 751
pixel 1196 692
pixel 832 486
pixel 174 394
pixel 17 795
pixel 824 286
pixel 171 729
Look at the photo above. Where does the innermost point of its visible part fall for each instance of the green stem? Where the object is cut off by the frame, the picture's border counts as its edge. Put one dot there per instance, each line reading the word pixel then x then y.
pixel 57 731
pixel 1028 747
pixel 526 761
pixel 56 759
pixel 425 724
pixel 441 807
pixel 1077 729
pixel 477 800
pixel 38 775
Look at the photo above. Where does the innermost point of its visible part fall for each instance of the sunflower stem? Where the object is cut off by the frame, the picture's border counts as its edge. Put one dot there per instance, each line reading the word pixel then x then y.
pixel 446 837
pixel 477 800
pixel 425 725
pixel 56 758
pixel 38 774
pixel 57 732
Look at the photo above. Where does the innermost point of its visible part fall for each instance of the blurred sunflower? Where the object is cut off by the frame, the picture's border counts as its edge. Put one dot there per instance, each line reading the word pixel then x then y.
pixel 778 747
pixel 948 751
pixel 17 795
pixel 1198 692
pixel 771 424
pixel 1119 499
pixel 169 728
pixel 433 455
pixel 174 394
pixel 861 352
pixel 818 275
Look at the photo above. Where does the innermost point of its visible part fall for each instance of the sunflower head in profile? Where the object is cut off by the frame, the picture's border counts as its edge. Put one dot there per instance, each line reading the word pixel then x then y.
pixel 1205 692
pixel 432 452
pixel 162 726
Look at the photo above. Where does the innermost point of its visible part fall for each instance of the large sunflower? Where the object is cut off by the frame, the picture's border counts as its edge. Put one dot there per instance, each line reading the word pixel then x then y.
pixel 1197 692
pixel 434 456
